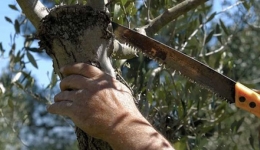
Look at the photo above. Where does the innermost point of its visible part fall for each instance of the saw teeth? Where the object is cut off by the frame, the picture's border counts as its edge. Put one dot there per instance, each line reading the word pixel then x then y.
pixel 204 87
pixel 129 45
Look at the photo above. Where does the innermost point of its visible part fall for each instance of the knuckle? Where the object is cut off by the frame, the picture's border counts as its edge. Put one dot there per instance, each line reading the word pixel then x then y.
pixel 57 97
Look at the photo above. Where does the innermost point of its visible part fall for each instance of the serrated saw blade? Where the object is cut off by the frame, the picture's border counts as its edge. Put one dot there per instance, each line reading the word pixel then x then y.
pixel 194 70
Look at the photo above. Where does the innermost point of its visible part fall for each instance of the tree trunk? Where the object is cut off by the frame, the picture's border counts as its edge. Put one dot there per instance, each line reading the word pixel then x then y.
pixel 78 33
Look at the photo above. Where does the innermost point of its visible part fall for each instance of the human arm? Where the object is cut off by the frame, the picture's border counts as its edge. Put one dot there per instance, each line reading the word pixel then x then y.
pixel 104 108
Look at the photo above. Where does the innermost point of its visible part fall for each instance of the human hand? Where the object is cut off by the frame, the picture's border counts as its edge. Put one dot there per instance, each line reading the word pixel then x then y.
pixel 104 108
pixel 96 102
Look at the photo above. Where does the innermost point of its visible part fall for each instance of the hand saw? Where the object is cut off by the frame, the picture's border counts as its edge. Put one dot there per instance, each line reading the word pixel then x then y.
pixel 226 88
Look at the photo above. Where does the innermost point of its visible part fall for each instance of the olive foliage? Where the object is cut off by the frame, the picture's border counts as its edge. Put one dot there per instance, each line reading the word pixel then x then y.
pixel 187 114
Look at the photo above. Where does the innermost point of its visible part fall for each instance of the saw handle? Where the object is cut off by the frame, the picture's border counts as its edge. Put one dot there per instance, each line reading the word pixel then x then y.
pixel 247 99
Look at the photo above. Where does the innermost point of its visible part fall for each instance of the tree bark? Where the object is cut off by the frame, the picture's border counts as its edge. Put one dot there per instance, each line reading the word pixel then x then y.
pixel 78 33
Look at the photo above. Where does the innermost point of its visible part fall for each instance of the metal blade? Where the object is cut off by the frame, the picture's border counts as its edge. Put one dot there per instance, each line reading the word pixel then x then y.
pixel 171 58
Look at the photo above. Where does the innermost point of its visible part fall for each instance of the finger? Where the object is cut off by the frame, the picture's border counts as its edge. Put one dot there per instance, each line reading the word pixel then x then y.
pixel 75 82
pixel 65 96
pixel 63 108
pixel 83 69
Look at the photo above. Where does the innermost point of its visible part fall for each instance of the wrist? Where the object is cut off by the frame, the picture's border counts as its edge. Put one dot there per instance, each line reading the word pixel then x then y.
pixel 125 133
pixel 136 133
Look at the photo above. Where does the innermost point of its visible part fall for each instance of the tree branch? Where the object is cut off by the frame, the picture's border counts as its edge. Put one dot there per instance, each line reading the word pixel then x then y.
pixel 170 14
pixel 34 10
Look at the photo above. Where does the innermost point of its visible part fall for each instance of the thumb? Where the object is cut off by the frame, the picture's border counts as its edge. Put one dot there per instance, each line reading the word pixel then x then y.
pixel 63 108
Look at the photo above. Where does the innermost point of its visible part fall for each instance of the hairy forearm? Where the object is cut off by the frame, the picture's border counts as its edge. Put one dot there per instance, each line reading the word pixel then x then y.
pixel 137 134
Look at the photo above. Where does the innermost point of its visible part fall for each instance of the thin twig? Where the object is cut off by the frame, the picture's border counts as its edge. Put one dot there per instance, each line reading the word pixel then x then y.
pixel 148 10
pixel 220 49
pixel 171 14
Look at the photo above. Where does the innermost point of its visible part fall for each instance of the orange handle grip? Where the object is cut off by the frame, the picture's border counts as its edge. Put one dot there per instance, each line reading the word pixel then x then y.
pixel 247 99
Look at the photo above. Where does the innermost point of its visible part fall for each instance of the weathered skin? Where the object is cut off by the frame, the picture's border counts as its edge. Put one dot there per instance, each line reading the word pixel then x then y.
pixel 104 108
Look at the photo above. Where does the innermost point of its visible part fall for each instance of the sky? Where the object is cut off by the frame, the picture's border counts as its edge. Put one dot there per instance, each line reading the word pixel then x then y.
pixel 44 65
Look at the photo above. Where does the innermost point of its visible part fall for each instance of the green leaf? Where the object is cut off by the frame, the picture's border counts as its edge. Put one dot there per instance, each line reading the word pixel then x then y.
pixel 239 123
pixel 246 5
pixel 235 147
pixel 19 85
pixel 211 16
pixel 8 20
pixel 18 58
pixel 10 104
pixel 13 7
pixel 29 82
pixel 57 2
pixel 223 26
pixel 236 124
pixel 218 33
pixel 251 141
pixel 1 48
pixel 201 22
pixel 200 19
pixel 180 144
pixel 54 79
pixel 17 26
pixel 13 47
pixel 131 9
pixel 123 2
pixel 34 49
pixel 31 59
pixel 208 38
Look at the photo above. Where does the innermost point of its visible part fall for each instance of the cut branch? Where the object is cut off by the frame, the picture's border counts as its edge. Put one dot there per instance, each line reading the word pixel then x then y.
pixel 171 14
pixel 78 33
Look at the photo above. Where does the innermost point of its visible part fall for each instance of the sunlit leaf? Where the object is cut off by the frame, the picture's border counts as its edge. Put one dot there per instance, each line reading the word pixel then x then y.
pixel 16 77
pixel 180 144
pixel 2 88
pixel 57 2
pixel 199 119
pixel 123 2
pixel 31 59
pixel 54 79
pixel 27 43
